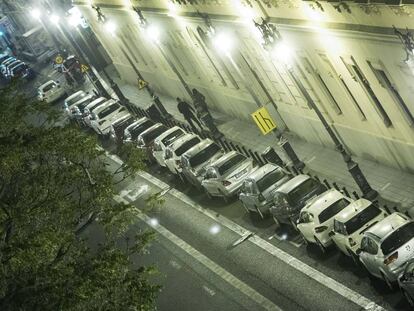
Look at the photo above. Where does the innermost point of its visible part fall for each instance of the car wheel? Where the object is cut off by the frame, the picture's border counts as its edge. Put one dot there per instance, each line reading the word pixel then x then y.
pixel 322 248
pixel 409 298
pixel 387 281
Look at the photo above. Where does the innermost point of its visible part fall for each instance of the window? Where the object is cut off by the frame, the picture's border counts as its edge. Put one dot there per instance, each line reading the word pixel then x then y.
pixel 152 134
pixel 361 219
pixel 321 83
pixel 230 163
pixel 398 238
pixel 204 155
pixel 187 145
pixel 359 76
pixel 302 190
pixel 340 81
pixel 270 179
pixel 389 86
pixel 339 227
pixel 140 128
pixel 332 210
pixel 171 137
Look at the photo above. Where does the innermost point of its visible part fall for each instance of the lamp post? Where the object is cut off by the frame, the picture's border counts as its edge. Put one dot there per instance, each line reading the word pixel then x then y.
pixel 223 43
pixel 273 40
pixel 197 97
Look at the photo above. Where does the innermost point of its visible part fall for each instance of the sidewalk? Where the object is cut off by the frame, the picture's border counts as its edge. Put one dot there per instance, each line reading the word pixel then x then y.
pixel 396 188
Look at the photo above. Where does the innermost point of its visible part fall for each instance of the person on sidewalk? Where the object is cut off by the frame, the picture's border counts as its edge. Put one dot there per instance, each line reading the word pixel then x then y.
pixel 188 112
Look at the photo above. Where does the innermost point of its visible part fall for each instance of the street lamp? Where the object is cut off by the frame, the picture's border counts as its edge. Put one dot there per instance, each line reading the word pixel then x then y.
pixel 35 13
pixel 54 19
pixel 272 41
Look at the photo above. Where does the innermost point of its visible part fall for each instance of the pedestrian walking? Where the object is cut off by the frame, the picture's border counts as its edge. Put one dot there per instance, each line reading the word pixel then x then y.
pixel 188 112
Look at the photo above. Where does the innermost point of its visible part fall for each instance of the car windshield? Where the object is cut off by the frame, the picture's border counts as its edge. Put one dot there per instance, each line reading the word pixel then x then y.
pixel 300 191
pixel 19 68
pixel 151 135
pixel 48 87
pixel 140 128
pixel 75 99
pixel 230 163
pixel 171 137
pixel 270 179
pixel 398 238
pixel 361 219
pixel 83 104
pixel 332 210
pixel 204 155
pixel 123 123
pixel 187 145
pixel 108 110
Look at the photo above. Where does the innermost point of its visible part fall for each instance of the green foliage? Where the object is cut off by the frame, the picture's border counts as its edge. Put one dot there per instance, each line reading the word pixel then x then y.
pixel 56 195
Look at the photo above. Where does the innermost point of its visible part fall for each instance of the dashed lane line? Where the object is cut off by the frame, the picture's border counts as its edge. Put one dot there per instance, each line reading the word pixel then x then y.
pixel 208 263
pixel 318 276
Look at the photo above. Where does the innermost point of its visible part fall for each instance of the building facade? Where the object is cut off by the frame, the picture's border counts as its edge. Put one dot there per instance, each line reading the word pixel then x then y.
pixel 347 55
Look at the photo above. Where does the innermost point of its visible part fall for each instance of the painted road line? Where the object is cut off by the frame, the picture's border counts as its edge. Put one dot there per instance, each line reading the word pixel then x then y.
pixel 385 186
pixel 208 263
pixel 318 276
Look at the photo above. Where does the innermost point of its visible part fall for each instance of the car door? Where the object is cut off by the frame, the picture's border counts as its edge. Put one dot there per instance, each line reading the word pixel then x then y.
pixel 248 196
pixel 369 255
pixel 211 182
pixel 339 236
pixel 306 225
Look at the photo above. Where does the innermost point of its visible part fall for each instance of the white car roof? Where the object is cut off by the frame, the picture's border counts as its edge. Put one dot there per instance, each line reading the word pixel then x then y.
pixel 224 158
pixel 388 225
pixel 196 149
pixel 293 183
pixel 109 119
pixel 104 105
pixel 46 84
pixel 94 102
pixel 322 201
pixel 262 171
pixel 167 132
pixel 74 95
pixel 83 99
pixel 178 143
pixel 352 209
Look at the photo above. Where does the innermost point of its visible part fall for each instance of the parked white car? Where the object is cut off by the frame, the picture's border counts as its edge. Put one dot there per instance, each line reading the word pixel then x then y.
pixel 102 117
pixel 195 160
pixel 224 177
pixel 76 109
pixel 74 98
pixel 316 219
pixel 145 140
pixel 172 154
pixel 163 141
pixel 50 91
pixel 351 222
pixel 133 130
pixel 260 186
pixel 387 246
pixel 118 127
pixel 91 108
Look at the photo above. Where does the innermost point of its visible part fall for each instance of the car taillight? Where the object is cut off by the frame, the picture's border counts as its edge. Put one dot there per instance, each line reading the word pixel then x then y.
pixel 226 183
pixel 320 229
pixel 351 242
pixel 391 259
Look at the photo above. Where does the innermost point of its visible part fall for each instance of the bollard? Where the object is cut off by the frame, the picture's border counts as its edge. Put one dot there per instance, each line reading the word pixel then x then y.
pixel 238 149
pixel 327 184
pixel 295 171
pixel 317 178
pixel 259 159
pixel 232 145
pixel 345 191
pixel 300 169
pixel 245 152
pixel 335 185
pixel 355 195
pixel 227 145
pixel 395 208
pixel 407 214
pixel 387 209
pixel 271 156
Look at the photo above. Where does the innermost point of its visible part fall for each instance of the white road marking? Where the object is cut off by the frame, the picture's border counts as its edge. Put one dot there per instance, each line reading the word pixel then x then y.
pixel 318 276
pixel 310 160
pixel 175 264
pixel 208 263
pixel 210 291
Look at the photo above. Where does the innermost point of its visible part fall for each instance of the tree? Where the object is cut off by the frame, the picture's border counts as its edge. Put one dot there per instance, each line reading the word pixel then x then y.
pixel 55 190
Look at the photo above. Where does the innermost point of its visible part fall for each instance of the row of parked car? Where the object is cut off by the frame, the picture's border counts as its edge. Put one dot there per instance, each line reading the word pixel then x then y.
pixel 13 68
pixel 383 243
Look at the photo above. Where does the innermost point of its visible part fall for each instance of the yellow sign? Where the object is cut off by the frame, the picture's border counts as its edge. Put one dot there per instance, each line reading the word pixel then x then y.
pixel 59 60
pixel 142 84
pixel 263 120
pixel 84 68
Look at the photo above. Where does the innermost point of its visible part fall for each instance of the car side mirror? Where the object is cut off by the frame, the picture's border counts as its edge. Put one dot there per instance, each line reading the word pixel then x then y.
pixel 332 233
pixel 358 251
pixel 298 221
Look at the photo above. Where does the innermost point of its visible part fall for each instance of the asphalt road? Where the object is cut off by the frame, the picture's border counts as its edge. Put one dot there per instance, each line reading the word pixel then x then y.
pixel 200 268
